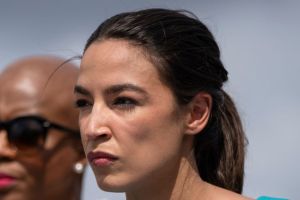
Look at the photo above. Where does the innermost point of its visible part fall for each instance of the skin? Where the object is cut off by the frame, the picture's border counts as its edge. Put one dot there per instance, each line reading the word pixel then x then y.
pixel 45 173
pixel 127 111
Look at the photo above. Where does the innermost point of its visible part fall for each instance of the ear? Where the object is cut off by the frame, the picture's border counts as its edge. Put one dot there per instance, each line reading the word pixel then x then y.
pixel 80 162
pixel 82 158
pixel 83 161
pixel 198 113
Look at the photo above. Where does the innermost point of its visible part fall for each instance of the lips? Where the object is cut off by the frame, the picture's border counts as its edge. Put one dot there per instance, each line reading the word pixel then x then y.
pixel 6 181
pixel 101 159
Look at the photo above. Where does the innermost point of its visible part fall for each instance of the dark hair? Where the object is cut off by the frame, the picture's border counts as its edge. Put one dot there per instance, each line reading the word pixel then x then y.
pixel 188 59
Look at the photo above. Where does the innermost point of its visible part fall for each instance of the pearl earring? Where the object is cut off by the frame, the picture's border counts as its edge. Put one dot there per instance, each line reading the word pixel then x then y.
pixel 78 168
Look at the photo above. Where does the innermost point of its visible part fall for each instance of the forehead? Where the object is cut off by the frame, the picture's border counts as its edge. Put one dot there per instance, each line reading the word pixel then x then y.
pixel 112 52
pixel 18 97
pixel 116 58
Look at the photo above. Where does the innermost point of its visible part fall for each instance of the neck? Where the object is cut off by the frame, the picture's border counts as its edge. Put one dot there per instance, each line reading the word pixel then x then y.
pixel 182 183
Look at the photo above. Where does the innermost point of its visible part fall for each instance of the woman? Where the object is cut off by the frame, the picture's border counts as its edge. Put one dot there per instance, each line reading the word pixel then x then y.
pixel 41 156
pixel 154 119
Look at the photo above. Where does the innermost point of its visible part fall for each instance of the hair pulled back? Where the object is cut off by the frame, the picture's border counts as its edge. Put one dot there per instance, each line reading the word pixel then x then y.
pixel 188 59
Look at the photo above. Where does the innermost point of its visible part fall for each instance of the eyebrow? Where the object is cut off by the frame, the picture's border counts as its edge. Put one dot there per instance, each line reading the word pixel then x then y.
pixel 124 87
pixel 112 89
pixel 81 90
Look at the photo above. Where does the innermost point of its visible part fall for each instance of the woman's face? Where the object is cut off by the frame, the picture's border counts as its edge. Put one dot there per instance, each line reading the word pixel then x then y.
pixel 131 128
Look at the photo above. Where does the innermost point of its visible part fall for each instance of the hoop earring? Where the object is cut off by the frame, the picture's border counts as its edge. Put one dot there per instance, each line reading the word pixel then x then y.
pixel 78 168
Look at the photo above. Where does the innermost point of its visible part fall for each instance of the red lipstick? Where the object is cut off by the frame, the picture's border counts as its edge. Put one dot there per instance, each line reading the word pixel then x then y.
pixel 101 159
pixel 6 181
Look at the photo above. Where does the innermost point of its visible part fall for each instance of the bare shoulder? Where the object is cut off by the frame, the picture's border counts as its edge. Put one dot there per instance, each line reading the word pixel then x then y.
pixel 222 194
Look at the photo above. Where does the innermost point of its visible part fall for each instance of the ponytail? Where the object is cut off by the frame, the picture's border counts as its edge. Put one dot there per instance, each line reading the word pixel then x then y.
pixel 219 149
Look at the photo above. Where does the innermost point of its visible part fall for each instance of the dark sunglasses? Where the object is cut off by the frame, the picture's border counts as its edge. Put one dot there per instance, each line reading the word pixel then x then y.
pixel 28 132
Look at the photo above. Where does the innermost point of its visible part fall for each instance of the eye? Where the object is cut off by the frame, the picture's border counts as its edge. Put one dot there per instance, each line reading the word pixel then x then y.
pixel 125 102
pixel 82 103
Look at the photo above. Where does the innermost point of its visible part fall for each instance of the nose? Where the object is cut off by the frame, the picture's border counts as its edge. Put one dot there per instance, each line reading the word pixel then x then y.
pixel 6 149
pixel 96 125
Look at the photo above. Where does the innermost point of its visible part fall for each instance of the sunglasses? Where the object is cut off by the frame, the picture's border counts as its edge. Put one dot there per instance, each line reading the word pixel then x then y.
pixel 29 132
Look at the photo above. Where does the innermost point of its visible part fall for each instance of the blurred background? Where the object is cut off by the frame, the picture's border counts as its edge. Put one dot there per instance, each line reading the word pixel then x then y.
pixel 260 47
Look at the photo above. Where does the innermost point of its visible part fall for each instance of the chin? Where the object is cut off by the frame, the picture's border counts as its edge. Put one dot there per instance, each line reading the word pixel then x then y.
pixel 112 185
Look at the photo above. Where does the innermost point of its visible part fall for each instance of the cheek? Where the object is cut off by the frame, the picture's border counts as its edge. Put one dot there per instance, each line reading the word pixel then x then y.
pixel 33 170
pixel 64 158
pixel 58 147
pixel 152 139
pixel 34 163
pixel 82 126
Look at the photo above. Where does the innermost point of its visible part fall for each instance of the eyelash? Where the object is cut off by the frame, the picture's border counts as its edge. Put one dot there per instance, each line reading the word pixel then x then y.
pixel 81 103
pixel 125 103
